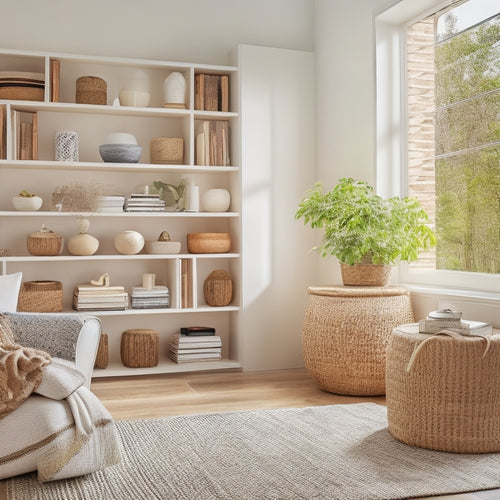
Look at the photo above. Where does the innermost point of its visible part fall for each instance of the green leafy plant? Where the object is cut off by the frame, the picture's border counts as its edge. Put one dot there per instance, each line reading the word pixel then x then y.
pixel 360 226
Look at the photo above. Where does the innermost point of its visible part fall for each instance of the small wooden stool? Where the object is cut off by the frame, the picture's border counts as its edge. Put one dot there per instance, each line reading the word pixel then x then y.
pixel 449 400
pixel 345 335
pixel 139 348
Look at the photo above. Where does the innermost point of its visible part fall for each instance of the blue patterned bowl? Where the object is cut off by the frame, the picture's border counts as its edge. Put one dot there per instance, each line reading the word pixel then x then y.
pixel 120 153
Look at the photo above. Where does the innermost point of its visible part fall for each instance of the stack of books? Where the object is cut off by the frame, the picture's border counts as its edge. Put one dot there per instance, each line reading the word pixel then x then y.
pixel 446 319
pixel 100 298
pixel 190 345
pixel 150 298
pixel 144 203
pixel 111 203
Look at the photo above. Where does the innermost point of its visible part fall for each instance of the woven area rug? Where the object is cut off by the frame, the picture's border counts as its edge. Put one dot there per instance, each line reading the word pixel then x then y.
pixel 331 452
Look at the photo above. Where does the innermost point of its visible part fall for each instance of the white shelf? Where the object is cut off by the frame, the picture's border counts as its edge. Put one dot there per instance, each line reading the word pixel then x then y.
pixel 141 256
pixel 13 213
pixel 112 167
pixel 173 310
pixel 165 366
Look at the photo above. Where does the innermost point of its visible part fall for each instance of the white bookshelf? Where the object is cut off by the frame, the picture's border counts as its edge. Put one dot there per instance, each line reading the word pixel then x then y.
pixel 93 123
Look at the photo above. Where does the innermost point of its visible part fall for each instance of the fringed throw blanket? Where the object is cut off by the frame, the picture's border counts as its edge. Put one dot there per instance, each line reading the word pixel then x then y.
pixel 21 371
pixel 62 447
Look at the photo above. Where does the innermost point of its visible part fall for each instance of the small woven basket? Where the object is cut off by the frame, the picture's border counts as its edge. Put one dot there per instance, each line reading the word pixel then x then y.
pixel 139 348
pixel 40 296
pixel 365 274
pixel 91 90
pixel 102 358
pixel 44 243
pixel 218 288
pixel 167 150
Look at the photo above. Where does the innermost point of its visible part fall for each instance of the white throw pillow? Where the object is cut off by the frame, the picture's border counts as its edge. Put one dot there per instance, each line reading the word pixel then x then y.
pixel 9 291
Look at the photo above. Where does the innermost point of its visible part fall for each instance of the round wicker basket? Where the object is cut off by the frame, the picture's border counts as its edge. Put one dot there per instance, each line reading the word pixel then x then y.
pixel 139 348
pixel 365 274
pixel 208 242
pixel 345 335
pixel 218 288
pixel 91 90
pixel 44 243
pixel 450 398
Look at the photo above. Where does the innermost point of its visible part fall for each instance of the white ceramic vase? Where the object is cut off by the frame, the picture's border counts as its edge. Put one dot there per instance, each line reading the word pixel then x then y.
pixel 129 242
pixel 216 200
pixel 174 89
pixel 83 243
pixel 27 203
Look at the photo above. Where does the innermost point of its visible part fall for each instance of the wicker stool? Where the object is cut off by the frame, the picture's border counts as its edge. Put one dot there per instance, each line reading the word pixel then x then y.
pixel 139 348
pixel 449 400
pixel 345 335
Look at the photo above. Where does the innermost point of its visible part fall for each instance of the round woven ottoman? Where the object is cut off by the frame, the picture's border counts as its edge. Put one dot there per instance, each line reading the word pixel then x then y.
pixel 345 335
pixel 139 348
pixel 449 400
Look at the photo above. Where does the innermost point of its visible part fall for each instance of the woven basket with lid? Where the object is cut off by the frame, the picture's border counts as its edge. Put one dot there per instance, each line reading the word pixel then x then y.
pixel 91 90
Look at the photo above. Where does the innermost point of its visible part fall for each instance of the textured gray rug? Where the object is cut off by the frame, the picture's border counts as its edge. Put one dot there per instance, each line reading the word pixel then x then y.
pixel 331 452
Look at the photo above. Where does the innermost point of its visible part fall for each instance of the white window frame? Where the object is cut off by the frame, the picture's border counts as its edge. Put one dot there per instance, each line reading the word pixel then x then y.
pixel 391 137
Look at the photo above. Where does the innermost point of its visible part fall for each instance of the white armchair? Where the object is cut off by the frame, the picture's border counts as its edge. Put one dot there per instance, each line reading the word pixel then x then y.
pixel 46 424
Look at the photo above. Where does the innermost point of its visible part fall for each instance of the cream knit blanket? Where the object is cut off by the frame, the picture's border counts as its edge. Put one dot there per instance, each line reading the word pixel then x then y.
pixel 70 448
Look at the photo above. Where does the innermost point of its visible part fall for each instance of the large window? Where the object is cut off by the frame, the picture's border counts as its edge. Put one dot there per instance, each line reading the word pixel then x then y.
pixel 450 81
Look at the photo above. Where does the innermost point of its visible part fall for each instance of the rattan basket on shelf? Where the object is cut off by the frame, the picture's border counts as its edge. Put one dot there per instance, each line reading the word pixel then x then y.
pixel 139 348
pixel 40 296
pixel 102 358
pixel 167 150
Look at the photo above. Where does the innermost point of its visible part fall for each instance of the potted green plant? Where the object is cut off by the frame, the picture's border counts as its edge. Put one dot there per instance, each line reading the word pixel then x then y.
pixel 367 233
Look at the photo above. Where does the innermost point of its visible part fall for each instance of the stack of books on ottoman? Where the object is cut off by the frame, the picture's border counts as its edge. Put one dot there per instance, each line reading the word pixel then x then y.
pixel 196 343
pixel 446 319
pixel 156 297
pixel 100 298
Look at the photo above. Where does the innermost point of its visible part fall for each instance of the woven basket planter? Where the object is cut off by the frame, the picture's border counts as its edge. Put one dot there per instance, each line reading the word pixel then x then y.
pixel 40 296
pixel 102 358
pixel 365 274
pixel 345 335
pixel 450 398
pixel 139 348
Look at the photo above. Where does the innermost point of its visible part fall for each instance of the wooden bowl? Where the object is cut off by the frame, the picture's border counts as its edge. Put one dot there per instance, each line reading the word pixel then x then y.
pixel 208 242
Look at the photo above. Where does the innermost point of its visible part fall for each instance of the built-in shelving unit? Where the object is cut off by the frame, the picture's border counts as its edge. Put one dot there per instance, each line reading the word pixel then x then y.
pixel 92 123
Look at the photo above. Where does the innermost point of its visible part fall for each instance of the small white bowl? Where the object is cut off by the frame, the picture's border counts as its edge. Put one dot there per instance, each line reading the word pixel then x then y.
pixel 162 247
pixel 27 203
pixel 134 98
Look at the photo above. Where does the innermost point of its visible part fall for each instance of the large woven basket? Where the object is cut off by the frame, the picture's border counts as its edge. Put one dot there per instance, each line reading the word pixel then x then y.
pixel 218 288
pixel 40 296
pixel 139 348
pixel 365 274
pixel 345 335
pixel 450 398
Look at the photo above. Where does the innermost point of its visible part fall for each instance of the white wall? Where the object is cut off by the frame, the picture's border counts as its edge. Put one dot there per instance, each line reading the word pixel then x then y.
pixel 186 30
pixel 345 104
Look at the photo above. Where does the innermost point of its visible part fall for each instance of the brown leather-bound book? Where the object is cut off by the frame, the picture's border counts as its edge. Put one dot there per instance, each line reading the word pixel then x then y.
pixel 199 91
pixel 55 75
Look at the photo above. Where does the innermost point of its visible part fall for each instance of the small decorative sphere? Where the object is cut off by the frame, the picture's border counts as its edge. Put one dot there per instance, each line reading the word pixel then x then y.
pixel 216 200
pixel 129 242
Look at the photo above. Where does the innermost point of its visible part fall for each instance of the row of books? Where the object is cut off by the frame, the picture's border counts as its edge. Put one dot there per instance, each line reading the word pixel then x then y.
pixel 202 346
pixel 212 143
pixel 112 203
pixel 211 92
pixel 25 136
